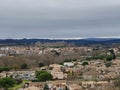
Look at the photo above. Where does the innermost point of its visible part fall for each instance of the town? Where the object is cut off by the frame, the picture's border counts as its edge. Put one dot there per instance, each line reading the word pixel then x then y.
pixel 40 67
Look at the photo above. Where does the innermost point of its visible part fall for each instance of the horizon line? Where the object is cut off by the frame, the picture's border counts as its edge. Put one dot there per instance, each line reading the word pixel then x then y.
pixel 76 38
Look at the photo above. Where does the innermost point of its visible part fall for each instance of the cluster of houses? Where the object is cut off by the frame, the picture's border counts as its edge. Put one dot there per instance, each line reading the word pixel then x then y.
pixel 72 76
pixel 23 75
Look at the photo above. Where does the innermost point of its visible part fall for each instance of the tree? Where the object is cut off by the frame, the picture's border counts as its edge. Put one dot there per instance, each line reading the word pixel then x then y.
pixel 18 81
pixel 85 63
pixel 15 67
pixel 4 69
pixel 66 88
pixel 24 66
pixel 46 87
pixel 113 54
pixel 39 72
pixel 108 64
pixel 117 82
pixel 6 82
pixel 109 58
pixel 43 76
pixel 41 64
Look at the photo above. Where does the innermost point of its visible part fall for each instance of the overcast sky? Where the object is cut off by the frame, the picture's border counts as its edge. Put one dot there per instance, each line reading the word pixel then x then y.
pixel 59 18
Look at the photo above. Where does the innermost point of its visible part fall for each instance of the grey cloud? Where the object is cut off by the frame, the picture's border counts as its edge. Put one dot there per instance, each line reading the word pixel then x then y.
pixel 59 18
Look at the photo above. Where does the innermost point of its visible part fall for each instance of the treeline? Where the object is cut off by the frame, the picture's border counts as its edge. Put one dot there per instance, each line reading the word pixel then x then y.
pixel 109 55
pixel 33 61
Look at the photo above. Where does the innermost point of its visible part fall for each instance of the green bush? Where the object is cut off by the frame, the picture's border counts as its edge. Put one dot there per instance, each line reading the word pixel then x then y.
pixel 7 82
pixel 109 58
pixel 43 76
pixel 41 64
pixel 24 66
pixel 4 69
pixel 108 64
pixel 85 63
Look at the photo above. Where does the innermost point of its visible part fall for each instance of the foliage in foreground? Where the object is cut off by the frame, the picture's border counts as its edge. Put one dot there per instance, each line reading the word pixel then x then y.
pixel 7 82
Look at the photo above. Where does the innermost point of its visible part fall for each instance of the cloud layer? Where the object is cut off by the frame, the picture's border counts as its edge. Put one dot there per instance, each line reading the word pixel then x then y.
pixel 59 18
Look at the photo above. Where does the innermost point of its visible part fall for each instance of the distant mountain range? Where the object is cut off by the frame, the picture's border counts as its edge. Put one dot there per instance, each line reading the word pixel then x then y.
pixel 86 41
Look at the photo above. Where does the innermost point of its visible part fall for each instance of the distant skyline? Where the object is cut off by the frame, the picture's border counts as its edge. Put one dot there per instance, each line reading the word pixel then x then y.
pixel 59 19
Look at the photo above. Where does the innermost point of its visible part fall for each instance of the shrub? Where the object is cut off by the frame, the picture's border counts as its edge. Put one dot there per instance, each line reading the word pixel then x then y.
pixel 43 76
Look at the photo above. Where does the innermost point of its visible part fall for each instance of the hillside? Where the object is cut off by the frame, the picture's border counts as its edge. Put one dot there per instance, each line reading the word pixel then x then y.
pixel 78 42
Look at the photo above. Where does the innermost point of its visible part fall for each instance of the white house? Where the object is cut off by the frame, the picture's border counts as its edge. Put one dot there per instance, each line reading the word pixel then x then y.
pixel 69 64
